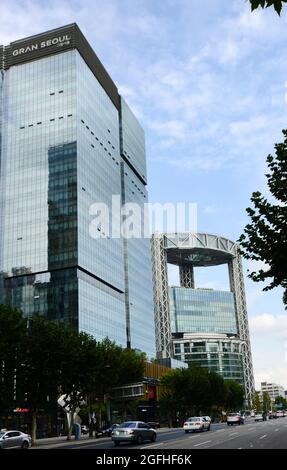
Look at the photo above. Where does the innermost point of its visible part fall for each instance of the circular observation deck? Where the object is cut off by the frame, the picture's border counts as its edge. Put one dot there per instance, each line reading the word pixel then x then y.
pixel 198 249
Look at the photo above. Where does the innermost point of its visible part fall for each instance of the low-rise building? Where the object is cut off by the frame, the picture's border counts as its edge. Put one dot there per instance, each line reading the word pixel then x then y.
pixel 273 390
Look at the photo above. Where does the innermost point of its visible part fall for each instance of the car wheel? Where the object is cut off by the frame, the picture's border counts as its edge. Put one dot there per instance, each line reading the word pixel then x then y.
pixel 186 432
pixel 208 429
pixel 25 445
pixel 116 443
pixel 139 439
pixel 153 439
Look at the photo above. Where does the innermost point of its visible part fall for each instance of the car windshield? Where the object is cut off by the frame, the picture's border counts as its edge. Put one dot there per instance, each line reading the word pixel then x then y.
pixel 2 434
pixel 233 414
pixel 128 424
pixel 192 420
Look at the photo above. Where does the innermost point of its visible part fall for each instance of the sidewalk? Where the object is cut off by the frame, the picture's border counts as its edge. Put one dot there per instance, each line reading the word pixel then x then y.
pixel 84 438
pixel 63 440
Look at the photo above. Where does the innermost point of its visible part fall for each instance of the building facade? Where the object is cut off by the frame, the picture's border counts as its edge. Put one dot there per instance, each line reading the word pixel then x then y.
pixel 70 141
pixel 202 326
pixel 273 390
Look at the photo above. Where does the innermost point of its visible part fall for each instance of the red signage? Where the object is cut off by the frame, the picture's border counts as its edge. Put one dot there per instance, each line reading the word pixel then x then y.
pixel 21 410
pixel 151 392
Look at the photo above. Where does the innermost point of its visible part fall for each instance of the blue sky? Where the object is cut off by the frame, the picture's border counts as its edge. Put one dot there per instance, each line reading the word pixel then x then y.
pixel 208 81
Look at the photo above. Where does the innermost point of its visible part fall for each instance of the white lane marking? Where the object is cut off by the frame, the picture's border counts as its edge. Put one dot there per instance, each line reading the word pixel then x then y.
pixel 201 443
pixel 276 430
pixel 263 437
pixel 239 448
pixel 220 430
pixel 154 445
pixel 233 433
pixel 251 429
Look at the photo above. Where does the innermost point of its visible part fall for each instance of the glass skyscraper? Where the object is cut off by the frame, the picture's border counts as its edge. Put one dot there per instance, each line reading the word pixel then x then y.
pixel 205 332
pixel 68 141
pixel 202 311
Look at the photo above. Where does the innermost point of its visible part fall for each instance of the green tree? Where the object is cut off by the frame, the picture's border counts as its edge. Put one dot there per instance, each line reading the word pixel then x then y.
pixel 12 331
pixel 265 237
pixel 40 374
pixel 91 369
pixel 256 402
pixel 281 401
pixel 266 402
pixel 234 395
pixel 196 390
pixel 277 4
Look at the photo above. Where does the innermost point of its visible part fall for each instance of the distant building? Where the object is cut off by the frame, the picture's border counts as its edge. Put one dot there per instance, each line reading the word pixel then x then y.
pixel 140 400
pixel 273 390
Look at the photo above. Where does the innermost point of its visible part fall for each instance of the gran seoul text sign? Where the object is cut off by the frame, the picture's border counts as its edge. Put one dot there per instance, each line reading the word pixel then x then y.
pixel 59 41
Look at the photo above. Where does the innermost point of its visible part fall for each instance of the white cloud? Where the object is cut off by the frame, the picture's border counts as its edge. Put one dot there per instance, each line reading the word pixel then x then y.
pixel 276 375
pixel 210 209
pixel 175 130
pixel 203 163
pixel 269 324
pixel 269 344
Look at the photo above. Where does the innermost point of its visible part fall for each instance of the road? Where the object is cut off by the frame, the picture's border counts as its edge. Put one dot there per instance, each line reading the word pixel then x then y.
pixel 271 434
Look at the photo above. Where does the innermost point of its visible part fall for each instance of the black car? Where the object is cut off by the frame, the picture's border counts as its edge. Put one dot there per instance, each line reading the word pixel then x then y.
pixel 106 432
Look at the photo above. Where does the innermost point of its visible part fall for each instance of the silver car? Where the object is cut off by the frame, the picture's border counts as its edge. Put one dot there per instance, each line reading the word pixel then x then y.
pixel 14 439
pixel 133 431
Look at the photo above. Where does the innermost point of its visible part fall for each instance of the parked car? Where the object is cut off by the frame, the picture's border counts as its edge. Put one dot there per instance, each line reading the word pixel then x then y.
pixel 84 429
pixel 234 418
pixel 14 439
pixel 133 431
pixel 272 415
pixel 207 418
pixel 196 423
pixel 279 414
pixel 258 416
pixel 154 424
pixel 108 431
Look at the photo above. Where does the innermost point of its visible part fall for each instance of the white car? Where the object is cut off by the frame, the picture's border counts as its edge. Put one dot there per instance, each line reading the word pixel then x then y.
pixel 207 418
pixel 234 418
pixel 258 417
pixel 196 424
pixel 279 414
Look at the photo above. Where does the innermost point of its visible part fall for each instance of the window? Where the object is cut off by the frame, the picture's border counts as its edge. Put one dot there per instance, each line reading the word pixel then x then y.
pixel 177 348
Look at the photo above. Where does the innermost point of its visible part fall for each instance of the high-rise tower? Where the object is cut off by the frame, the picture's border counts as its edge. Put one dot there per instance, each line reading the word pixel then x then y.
pixel 68 141
pixel 202 326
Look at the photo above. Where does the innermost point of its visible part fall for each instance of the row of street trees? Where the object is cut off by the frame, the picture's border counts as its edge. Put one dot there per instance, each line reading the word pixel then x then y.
pixel 197 391
pixel 42 359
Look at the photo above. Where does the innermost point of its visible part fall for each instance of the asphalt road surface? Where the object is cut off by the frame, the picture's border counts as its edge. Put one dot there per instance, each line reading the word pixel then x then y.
pixel 271 434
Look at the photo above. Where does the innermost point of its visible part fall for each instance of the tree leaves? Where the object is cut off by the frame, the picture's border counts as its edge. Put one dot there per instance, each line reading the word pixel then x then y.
pixel 46 358
pixel 197 390
pixel 265 237
pixel 277 4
